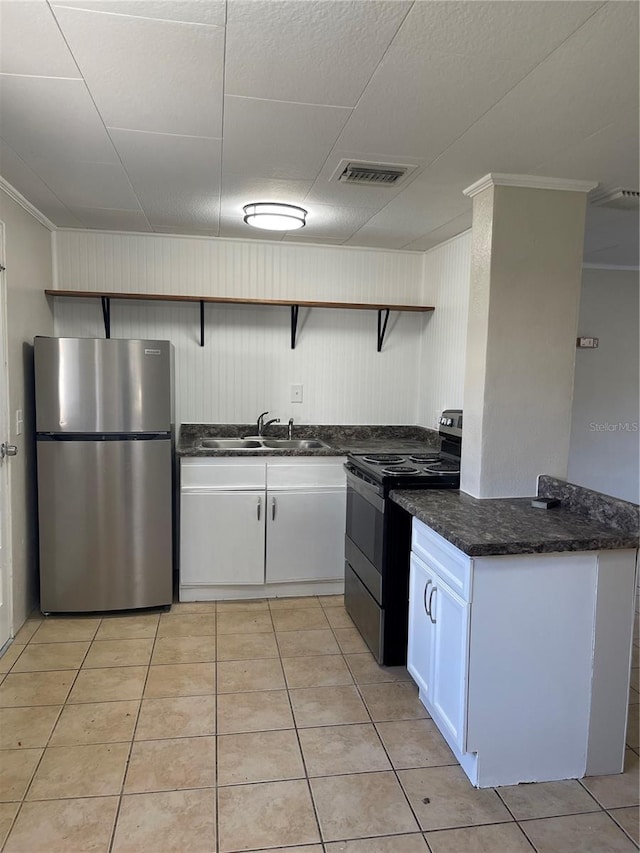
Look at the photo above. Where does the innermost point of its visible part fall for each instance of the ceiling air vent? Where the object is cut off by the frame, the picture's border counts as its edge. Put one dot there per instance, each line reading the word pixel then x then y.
pixel 372 174
pixel 617 198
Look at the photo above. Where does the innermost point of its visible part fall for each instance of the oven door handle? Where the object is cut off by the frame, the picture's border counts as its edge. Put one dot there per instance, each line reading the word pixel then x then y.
pixel 368 491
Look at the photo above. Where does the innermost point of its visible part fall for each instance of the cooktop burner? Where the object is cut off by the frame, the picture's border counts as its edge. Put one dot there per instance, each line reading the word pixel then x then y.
pixel 424 458
pixel 383 458
pixel 401 469
pixel 444 466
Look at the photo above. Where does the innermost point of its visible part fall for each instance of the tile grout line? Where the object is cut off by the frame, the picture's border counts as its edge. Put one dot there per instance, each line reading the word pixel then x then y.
pixel 53 728
pixel 295 728
pixel 131 742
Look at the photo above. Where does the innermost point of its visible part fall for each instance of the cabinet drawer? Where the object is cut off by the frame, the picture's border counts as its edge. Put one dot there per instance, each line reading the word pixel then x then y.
pixel 231 473
pixel 453 566
pixel 304 473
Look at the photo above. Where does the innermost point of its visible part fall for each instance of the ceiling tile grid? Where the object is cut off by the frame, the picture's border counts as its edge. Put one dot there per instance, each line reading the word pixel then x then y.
pixel 171 115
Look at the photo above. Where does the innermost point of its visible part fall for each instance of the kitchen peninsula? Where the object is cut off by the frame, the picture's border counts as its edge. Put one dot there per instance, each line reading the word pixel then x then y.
pixel 520 629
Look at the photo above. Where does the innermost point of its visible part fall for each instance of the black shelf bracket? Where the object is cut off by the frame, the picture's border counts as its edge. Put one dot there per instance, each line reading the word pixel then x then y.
pixel 106 315
pixel 201 322
pixel 382 326
pixel 294 324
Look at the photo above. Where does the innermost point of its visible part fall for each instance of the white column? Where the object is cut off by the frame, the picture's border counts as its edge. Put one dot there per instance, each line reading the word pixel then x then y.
pixel 526 263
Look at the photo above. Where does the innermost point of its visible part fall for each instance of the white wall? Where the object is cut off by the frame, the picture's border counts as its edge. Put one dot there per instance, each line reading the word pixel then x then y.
pixel 29 272
pixel 446 272
pixel 247 365
pixel 602 455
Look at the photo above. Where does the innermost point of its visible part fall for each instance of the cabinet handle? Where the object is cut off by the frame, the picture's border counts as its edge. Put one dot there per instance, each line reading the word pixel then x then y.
pixel 259 508
pixel 430 610
pixel 273 509
pixel 424 597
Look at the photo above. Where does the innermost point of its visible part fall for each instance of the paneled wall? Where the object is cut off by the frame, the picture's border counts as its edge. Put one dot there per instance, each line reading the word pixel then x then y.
pixel 442 360
pixel 247 365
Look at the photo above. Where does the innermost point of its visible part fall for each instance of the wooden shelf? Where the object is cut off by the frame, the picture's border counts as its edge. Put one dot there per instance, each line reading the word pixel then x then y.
pixel 294 304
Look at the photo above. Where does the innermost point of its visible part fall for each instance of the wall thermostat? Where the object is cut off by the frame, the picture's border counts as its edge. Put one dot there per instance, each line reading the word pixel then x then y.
pixel 587 343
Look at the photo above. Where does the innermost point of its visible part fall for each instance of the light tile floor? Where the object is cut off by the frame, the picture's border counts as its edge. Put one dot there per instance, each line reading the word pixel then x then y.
pixel 252 726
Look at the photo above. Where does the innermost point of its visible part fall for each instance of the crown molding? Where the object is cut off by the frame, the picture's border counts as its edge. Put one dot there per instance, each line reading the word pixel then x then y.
pixel 531 182
pixel 13 193
pixel 610 267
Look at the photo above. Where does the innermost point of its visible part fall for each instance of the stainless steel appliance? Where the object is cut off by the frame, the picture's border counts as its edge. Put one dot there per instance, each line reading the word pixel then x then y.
pixel 104 440
pixel 378 535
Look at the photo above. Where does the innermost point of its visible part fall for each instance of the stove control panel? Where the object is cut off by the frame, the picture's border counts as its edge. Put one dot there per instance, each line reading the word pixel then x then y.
pixel 450 422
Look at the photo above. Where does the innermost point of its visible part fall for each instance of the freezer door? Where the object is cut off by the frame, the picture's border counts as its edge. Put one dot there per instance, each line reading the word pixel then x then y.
pixel 95 385
pixel 105 521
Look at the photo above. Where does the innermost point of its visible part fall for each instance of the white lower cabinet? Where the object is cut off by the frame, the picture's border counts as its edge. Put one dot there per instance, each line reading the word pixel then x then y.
pixel 523 661
pixel 302 540
pixel 251 528
pixel 438 643
pixel 222 537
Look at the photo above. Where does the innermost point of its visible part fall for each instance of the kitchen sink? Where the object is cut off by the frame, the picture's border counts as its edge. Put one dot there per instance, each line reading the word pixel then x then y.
pixel 292 443
pixel 261 444
pixel 231 444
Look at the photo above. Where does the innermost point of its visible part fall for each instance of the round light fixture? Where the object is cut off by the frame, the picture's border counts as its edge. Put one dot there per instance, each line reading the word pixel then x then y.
pixel 274 217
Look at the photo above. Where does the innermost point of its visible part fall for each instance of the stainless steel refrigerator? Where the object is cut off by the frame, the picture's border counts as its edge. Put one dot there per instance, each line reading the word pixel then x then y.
pixel 104 437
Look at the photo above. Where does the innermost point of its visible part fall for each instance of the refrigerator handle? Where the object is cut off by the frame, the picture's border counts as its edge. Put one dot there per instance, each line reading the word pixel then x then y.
pixel 259 508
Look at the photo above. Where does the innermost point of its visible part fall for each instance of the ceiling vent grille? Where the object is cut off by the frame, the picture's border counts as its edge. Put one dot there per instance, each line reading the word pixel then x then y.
pixel 617 198
pixel 372 174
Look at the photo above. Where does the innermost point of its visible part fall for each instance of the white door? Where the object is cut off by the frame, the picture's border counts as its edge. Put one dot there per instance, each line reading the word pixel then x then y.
pixel 421 626
pixel 305 535
pixel 5 551
pixel 450 615
pixel 221 537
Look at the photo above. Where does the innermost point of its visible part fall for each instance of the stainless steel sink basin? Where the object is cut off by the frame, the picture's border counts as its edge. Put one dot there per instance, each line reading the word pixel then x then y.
pixel 256 443
pixel 231 444
pixel 292 443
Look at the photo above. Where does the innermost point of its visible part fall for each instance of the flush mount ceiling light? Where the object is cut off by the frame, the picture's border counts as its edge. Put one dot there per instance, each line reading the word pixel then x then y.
pixel 274 217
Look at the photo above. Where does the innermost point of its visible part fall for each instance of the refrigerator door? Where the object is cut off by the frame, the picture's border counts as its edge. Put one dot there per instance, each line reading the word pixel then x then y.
pixel 95 385
pixel 105 524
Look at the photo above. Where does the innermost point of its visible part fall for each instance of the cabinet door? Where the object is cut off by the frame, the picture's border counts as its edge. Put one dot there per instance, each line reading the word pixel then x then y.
pixel 421 628
pixel 222 537
pixel 305 535
pixel 450 656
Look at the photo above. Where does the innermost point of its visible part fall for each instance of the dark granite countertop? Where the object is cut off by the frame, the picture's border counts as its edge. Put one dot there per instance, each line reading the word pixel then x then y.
pixel 498 526
pixel 340 440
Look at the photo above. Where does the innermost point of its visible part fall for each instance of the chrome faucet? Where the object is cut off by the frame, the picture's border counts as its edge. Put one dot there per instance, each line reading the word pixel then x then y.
pixel 261 425
pixel 290 429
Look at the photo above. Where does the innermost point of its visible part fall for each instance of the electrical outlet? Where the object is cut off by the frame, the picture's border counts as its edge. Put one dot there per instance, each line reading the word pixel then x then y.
pixel 19 421
pixel 296 393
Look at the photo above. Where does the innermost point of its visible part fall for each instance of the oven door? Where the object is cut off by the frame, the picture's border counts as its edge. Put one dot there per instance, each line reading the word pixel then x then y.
pixel 365 518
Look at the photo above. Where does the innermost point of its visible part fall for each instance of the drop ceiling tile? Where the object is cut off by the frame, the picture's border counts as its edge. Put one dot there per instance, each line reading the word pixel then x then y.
pixel 439 235
pixel 210 12
pixel 419 102
pixel 146 74
pixel 514 31
pixel 611 152
pixel 81 184
pixel 52 119
pixel 561 103
pixel 176 178
pixel 22 178
pixel 327 222
pixel 312 52
pixel 31 43
pixel 605 227
pixel 240 189
pixel 111 220
pixel 276 139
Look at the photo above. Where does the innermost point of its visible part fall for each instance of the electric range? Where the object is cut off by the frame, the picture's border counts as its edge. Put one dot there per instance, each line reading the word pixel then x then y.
pixel 378 534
